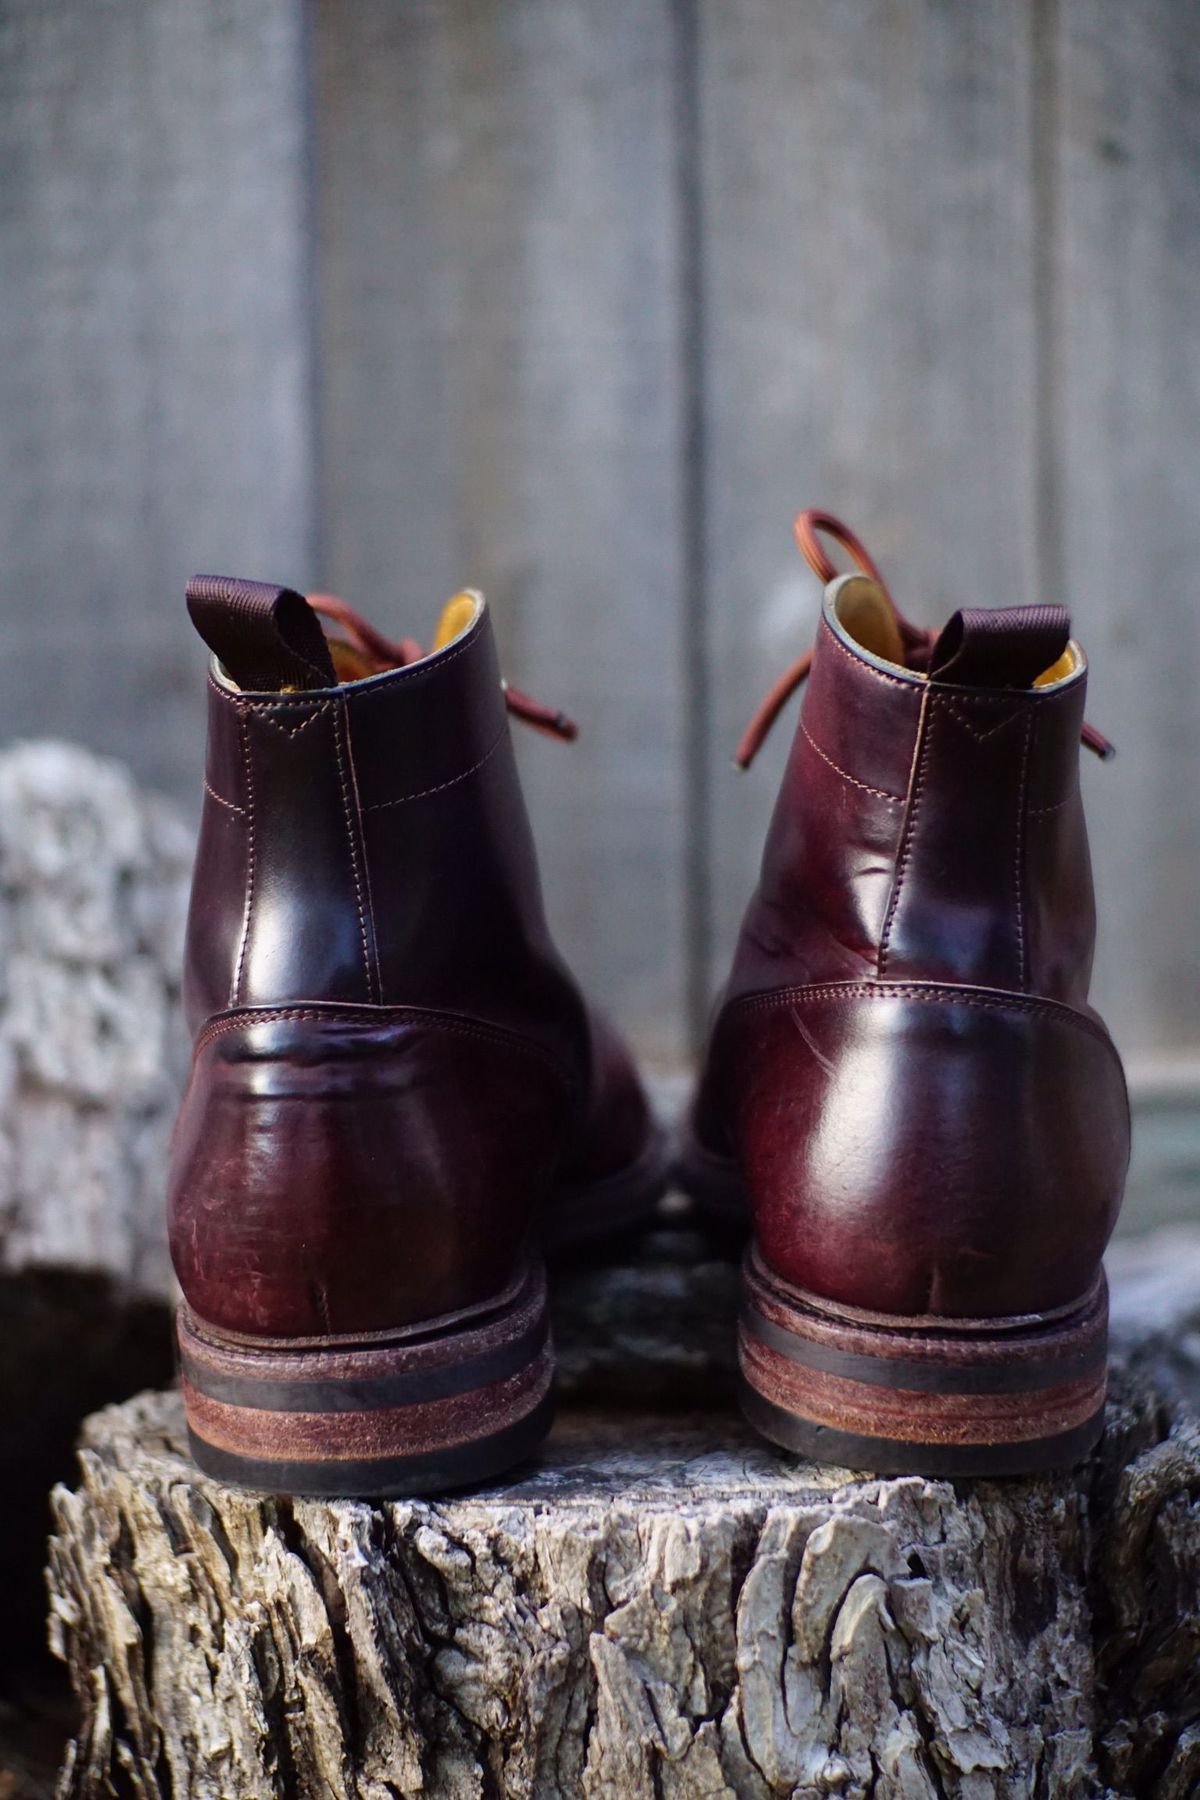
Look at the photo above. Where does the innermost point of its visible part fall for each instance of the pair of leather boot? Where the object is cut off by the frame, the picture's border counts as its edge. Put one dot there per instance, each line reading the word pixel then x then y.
pixel 399 1099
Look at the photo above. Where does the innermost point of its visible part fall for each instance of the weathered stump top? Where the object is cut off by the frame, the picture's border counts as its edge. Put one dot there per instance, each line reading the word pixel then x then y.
pixel 662 1605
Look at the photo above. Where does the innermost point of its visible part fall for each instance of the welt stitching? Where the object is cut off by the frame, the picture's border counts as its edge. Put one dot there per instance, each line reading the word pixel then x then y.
pixel 1022 796
pixel 934 995
pixel 338 725
pixel 236 993
pixel 220 799
pixel 421 793
pixel 881 793
pixel 916 782
pixel 436 1022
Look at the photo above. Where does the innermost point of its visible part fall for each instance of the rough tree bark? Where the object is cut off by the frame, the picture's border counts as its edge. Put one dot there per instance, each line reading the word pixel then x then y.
pixel 662 1607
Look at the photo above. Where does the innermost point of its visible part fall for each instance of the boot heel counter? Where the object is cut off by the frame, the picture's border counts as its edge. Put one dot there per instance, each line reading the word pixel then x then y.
pixel 281 904
pixel 339 1170
pixel 992 881
pixel 913 1149
pixel 220 890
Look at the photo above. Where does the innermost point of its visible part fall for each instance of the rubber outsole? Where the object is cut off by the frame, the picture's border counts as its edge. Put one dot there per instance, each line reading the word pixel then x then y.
pixel 890 1456
pixel 447 1404
pixel 380 1478
pixel 921 1396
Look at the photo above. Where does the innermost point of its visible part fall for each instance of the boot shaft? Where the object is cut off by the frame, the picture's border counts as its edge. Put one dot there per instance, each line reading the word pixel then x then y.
pixel 905 1081
pixel 928 827
pixel 367 842
pixel 394 1075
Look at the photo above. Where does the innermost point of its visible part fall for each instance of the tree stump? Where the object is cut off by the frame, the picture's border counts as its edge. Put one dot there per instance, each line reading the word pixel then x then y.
pixel 93 890
pixel 662 1606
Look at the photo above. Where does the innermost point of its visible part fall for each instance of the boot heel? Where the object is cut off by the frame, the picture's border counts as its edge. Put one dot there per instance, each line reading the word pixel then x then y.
pixel 441 1405
pixel 921 1396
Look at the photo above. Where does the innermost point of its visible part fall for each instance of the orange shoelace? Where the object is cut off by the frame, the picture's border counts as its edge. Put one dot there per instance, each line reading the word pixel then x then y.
pixel 380 653
pixel 807 527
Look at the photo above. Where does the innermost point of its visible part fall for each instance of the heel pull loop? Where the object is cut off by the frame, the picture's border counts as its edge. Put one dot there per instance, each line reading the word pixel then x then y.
pixel 1008 646
pixel 386 653
pixel 969 632
pixel 1005 648
pixel 268 638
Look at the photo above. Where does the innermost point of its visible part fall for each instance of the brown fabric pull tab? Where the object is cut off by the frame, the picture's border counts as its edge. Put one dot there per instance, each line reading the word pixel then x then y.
pixel 1004 648
pixel 268 638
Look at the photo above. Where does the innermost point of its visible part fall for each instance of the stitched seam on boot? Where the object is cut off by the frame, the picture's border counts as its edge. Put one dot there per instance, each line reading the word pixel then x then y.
pixel 440 788
pixel 1022 797
pixel 1040 812
pixel 362 848
pixel 981 737
pixel 916 781
pixel 351 824
pixel 239 969
pixel 221 800
pixel 266 714
pixel 880 793
pixel 984 1000
pixel 429 1017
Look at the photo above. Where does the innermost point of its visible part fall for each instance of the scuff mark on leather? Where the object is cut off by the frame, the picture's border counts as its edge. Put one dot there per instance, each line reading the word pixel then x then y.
pixel 824 1061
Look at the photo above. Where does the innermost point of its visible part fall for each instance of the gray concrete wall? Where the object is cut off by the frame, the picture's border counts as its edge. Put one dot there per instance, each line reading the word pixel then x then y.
pixel 580 303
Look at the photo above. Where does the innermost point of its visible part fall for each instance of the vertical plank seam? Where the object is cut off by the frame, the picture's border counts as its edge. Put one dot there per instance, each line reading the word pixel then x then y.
pixel 1045 121
pixel 694 475
pixel 316 530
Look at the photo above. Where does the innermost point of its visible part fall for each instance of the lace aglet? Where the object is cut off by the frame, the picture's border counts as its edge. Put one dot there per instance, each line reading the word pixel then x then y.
pixel 1097 743
pixel 553 723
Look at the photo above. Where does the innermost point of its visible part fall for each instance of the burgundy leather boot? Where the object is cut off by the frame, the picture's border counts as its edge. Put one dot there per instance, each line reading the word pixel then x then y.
pixel 397 1092
pixel 905 1086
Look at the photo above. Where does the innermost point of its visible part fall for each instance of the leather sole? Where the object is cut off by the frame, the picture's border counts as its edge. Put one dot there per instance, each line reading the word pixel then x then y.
pixel 897 1396
pixel 445 1405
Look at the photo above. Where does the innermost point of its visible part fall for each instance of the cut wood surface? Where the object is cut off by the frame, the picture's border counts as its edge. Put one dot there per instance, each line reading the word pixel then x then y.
pixel 661 1606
